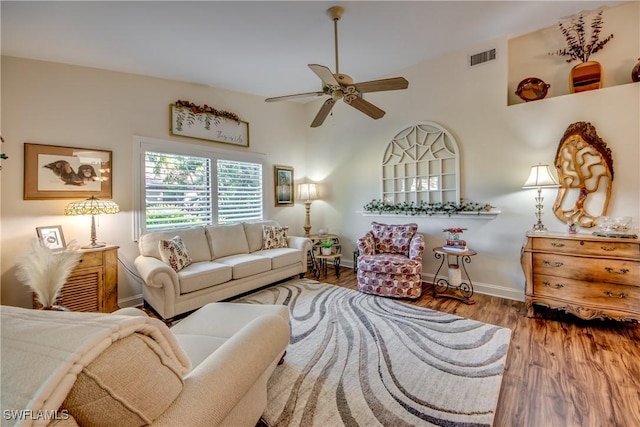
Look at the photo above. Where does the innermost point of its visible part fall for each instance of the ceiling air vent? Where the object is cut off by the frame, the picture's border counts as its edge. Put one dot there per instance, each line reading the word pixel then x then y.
pixel 482 57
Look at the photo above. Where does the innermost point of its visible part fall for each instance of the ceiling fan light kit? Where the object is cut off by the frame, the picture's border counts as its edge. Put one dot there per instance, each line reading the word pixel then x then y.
pixel 341 86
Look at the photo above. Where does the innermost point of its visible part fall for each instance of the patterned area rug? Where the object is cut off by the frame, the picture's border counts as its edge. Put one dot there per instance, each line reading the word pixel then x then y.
pixel 357 359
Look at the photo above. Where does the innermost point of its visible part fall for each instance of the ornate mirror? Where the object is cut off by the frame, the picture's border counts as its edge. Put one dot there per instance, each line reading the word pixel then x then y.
pixel 585 173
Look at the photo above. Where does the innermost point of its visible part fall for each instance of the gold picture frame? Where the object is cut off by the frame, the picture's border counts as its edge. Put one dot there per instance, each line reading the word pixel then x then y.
pixel 52 237
pixel 283 185
pixel 57 172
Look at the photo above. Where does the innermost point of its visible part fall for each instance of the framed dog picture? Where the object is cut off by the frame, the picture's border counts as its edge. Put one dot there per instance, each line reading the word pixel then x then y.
pixel 56 172
pixel 52 237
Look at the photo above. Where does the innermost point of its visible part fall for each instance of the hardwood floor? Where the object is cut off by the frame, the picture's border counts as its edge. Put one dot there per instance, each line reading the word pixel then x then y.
pixel 560 371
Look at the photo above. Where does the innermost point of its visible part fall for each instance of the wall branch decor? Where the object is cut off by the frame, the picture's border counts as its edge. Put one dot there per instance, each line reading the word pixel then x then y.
pixel 208 123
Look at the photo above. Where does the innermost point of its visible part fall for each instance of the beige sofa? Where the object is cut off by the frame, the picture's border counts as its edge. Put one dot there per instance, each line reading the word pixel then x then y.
pixel 228 260
pixel 127 369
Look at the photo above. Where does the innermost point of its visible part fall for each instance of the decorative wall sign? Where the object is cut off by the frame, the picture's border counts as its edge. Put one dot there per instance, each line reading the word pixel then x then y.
pixel 54 172
pixel 202 123
pixel 283 179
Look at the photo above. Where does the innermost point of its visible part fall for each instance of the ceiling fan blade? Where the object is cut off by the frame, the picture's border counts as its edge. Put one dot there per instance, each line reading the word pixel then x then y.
pixel 394 83
pixel 297 95
pixel 323 113
pixel 365 106
pixel 325 74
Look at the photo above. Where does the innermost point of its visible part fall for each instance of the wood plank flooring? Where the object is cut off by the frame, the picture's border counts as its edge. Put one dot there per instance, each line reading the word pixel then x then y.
pixel 561 371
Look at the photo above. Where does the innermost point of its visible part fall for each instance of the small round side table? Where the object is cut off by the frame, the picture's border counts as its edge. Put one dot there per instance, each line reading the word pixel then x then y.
pixel 454 286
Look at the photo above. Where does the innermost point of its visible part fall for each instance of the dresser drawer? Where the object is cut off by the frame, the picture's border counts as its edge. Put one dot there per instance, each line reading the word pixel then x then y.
pixel 603 248
pixel 90 259
pixel 600 294
pixel 587 269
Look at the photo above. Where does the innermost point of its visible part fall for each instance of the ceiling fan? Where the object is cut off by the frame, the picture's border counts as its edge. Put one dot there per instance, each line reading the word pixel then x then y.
pixel 340 86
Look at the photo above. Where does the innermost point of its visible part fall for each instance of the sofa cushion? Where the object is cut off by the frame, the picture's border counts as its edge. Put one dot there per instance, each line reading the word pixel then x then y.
pixel 393 239
pixel 246 264
pixel 225 240
pixel 174 252
pixel 130 383
pixel 194 239
pixel 203 275
pixel 253 232
pixel 280 257
pixel 274 237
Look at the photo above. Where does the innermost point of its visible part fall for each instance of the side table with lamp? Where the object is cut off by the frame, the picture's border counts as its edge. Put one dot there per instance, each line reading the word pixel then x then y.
pixel 93 284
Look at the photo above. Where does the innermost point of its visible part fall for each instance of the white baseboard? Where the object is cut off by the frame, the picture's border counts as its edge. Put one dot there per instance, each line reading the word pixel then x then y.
pixel 487 289
pixel 133 301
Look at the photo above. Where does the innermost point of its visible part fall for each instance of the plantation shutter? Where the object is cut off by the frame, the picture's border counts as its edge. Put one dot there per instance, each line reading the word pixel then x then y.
pixel 239 191
pixel 177 191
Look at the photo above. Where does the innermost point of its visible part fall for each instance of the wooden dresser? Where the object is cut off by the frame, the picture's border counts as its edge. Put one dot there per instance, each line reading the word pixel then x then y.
pixel 588 276
pixel 93 284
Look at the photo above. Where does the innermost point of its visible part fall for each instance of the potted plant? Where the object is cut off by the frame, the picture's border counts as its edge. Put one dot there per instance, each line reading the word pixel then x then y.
pixel 588 74
pixel 326 247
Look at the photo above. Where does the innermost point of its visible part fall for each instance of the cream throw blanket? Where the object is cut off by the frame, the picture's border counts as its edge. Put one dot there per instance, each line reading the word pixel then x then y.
pixel 44 351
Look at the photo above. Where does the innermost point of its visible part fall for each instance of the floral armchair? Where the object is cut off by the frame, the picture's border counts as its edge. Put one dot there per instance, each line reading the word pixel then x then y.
pixel 390 261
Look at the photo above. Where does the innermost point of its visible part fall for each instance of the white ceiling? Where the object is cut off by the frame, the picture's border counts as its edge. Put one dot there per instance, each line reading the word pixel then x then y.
pixel 263 47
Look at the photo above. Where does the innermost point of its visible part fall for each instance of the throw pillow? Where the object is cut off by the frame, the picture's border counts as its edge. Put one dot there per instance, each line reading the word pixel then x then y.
pixel 274 237
pixel 174 252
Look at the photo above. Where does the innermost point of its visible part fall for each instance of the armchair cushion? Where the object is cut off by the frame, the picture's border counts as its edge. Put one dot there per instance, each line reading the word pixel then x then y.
pixel 394 239
pixel 389 264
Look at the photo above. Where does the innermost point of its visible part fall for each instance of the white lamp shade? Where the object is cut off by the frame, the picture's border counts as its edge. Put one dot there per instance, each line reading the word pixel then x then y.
pixel 307 191
pixel 540 176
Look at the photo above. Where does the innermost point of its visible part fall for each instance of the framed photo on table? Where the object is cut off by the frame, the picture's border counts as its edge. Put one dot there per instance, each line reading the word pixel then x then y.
pixel 52 237
pixel 56 172
pixel 283 179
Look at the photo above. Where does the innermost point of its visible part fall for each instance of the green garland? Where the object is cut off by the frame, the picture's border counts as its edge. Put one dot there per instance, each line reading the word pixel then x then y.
pixel 423 208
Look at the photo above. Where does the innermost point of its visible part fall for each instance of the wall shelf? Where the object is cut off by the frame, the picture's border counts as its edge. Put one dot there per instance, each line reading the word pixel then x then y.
pixel 459 215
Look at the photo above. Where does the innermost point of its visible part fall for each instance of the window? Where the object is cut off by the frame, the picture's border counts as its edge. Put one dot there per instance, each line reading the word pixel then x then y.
pixel 183 185
pixel 420 165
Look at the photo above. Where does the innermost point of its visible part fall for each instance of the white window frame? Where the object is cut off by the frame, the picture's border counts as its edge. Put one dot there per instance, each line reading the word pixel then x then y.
pixel 143 144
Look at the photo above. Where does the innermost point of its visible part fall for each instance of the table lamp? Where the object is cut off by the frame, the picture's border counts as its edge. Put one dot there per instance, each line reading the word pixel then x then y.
pixel 307 192
pixel 93 207
pixel 540 177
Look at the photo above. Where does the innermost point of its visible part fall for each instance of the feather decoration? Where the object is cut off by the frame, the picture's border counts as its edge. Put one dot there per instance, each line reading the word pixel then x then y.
pixel 45 271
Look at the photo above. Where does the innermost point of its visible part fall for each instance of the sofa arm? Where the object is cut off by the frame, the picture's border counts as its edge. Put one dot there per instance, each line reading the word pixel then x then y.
pixel 214 387
pixel 301 243
pixel 416 247
pixel 155 273
pixel 367 244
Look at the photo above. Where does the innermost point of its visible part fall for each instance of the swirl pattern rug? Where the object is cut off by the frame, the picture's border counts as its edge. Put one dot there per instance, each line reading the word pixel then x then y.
pixel 362 360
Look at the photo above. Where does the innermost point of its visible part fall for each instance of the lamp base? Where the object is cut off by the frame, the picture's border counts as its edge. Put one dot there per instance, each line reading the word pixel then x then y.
pixel 94 245
pixel 538 228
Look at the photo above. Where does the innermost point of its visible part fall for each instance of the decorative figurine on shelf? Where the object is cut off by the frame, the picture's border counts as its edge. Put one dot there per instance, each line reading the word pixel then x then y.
pixel 454 242
pixel 572 227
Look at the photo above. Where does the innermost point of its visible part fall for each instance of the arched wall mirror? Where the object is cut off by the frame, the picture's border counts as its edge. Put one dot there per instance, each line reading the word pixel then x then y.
pixel 585 173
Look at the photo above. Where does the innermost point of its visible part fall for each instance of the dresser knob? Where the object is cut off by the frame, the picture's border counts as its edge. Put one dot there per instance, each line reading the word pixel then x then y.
pixel 612 271
pixel 557 244
pixel 613 295
pixel 549 285
pixel 608 248
pixel 548 263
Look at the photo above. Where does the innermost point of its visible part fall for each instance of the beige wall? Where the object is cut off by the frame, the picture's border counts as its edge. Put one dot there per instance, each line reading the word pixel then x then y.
pixel 67 105
pixel 57 104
